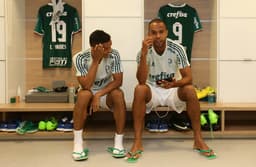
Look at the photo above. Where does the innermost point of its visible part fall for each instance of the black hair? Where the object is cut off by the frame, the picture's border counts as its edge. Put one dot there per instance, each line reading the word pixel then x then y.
pixel 98 36
pixel 156 20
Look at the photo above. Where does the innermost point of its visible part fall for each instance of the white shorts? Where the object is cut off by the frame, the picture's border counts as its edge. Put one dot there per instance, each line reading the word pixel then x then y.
pixel 165 97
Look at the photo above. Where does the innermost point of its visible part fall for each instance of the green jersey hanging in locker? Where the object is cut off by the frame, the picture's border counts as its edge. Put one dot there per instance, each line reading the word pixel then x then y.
pixel 57 23
pixel 182 21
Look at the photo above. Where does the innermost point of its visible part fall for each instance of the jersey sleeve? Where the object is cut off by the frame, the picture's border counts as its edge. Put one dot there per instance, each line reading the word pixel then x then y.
pixel 80 63
pixel 39 23
pixel 196 22
pixel 182 57
pixel 159 14
pixel 76 22
pixel 116 64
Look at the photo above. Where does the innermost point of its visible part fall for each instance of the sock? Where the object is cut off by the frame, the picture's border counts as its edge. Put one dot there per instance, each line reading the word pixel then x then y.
pixel 118 142
pixel 78 141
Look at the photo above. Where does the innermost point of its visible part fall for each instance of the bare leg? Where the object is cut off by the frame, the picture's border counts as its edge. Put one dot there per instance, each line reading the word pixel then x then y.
pixel 79 116
pixel 188 94
pixel 115 100
pixel 80 109
pixel 142 95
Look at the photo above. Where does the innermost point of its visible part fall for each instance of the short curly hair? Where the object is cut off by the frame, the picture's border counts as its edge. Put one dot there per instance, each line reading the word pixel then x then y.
pixel 98 36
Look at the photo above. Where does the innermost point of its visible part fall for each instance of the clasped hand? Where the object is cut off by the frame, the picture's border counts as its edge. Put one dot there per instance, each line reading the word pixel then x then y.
pixel 166 84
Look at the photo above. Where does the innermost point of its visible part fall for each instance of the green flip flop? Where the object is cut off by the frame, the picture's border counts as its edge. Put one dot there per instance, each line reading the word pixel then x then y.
pixel 117 153
pixel 79 156
pixel 210 156
pixel 134 156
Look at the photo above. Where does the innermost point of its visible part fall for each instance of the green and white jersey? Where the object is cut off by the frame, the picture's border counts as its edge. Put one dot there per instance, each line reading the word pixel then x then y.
pixel 166 65
pixel 108 66
pixel 182 21
pixel 57 37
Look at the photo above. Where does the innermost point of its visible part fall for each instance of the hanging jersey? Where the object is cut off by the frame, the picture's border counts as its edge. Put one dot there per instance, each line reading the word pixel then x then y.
pixel 165 66
pixel 182 21
pixel 57 37
pixel 108 66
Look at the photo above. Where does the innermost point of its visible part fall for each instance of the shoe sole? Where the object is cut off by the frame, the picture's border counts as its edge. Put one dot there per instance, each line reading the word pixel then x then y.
pixel 64 130
pixel 180 127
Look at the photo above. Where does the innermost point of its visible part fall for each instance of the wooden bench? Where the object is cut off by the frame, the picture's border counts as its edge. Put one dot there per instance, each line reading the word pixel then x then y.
pixel 247 129
pixel 49 107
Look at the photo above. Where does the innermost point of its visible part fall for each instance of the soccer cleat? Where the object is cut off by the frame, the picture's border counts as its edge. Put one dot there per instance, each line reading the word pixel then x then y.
pixel 162 126
pixel 9 126
pixel 42 125
pixel 203 119
pixel 204 122
pixel 153 126
pixel 26 127
pixel 51 124
pixel 180 122
pixel 65 125
pixel 181 125
pixel 213 119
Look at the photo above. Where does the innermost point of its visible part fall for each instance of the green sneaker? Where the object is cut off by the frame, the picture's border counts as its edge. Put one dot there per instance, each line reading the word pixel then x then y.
pixel 203 119
pixel 214 120
pixel 204 122
pixel 51 124
pixel 213 117
pixel 26 127
pixel 42 125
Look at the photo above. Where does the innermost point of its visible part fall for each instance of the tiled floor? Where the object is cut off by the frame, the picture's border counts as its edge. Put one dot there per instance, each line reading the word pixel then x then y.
pixel 158 152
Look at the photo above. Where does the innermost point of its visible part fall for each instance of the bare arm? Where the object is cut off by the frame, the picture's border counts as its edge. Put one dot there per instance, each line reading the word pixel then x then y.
pixel 116 83
pixel 87 81
pixel 186 79
pixel 142 71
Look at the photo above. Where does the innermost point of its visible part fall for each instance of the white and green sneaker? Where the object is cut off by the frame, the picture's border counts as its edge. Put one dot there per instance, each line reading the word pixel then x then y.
pixel 26 127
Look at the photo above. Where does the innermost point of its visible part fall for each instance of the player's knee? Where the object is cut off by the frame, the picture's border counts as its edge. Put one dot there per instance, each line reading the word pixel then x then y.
pixel 189 91
pixel 84 94
pixel 117 93
pixel 140 89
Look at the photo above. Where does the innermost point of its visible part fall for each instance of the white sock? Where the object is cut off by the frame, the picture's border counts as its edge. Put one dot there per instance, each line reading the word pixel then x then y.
pixel 78 141
pixel 118 141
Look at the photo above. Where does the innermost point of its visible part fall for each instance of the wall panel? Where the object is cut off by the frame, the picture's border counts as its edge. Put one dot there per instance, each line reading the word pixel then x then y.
pixel 2 81
pixel 237 8
pixel 2 8
pixel 126 34
pixel 2 40
pixel 237 43
pixel 113 8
